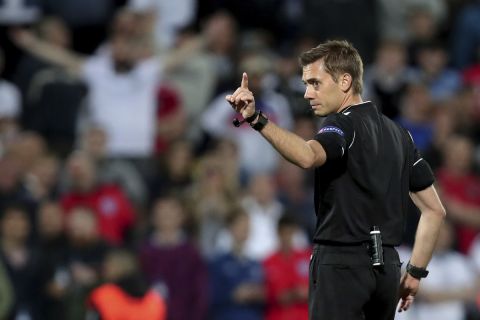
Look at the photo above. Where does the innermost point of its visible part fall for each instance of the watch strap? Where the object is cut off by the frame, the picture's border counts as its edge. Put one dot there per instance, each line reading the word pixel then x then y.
pixel 416 272
pixel 261 122
pixel 252 117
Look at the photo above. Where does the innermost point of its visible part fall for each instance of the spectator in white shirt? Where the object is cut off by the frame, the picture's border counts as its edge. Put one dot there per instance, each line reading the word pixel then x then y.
pixel 264 211
pixel 122 79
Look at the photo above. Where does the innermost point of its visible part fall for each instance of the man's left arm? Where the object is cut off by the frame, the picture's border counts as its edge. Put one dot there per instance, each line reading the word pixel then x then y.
pixel 431 219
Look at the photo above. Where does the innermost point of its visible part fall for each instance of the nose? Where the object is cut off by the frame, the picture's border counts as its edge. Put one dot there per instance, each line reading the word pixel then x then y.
pixel 308 93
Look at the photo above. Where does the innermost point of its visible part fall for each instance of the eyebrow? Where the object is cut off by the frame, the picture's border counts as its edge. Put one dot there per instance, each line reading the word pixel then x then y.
pixel 311 80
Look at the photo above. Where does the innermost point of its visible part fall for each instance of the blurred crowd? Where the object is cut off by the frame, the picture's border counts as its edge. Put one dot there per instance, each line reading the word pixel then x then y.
pixel 122 178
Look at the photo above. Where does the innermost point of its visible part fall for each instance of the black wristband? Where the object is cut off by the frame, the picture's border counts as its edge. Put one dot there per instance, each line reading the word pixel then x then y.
pixel 252 117
pixel 261 122
pixel 416 272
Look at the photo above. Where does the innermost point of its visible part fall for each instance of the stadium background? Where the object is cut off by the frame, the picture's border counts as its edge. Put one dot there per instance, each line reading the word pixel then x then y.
pixel 120 138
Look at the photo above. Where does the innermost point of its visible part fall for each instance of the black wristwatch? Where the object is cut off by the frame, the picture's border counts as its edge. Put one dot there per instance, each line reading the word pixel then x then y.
pixel 252 117
pixel 416 272
pixel 261 122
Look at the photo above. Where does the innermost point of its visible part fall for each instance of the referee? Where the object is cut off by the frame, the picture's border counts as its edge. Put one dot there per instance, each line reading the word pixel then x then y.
pixel 366 168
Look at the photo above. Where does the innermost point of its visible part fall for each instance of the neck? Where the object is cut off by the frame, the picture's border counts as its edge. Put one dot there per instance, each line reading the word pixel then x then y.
pixel 11 245
pixel 286 250
pixel 350 100
pixel 237 249
pixel 168 237
pixel 85 187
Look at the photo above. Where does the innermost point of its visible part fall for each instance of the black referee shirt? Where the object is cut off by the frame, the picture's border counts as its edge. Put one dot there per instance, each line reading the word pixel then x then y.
pixel 372 164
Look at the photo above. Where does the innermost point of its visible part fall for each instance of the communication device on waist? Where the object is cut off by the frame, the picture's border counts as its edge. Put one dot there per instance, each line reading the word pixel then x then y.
pixel 375 247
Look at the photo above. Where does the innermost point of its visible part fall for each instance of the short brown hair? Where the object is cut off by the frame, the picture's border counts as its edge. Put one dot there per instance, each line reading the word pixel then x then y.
pixel 339 56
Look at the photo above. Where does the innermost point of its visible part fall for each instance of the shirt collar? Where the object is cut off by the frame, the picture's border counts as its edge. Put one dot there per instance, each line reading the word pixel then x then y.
pixel 354 105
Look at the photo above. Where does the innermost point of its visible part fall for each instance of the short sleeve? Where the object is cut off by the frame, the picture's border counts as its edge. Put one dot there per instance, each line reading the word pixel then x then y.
pixel 151 68
pixel 336 135
pixel 93 67
pixel 421 175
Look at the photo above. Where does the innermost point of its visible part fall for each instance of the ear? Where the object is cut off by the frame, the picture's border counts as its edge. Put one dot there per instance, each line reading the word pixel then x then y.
pixel 345 82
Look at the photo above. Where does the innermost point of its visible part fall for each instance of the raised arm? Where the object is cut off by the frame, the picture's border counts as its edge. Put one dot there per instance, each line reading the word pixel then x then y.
pixel 305 154
pixel 177 57
pixel 431 219
pixel 56 55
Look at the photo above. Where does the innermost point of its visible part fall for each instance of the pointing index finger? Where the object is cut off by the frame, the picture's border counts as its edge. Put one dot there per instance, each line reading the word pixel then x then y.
pixel 244 81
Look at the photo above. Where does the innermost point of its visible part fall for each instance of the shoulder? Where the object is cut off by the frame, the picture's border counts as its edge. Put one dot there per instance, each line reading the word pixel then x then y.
pixel 150 67
pixel 338 123
pixel 219 257
pixel 97 61
pixel 399 128
pixel 190 249
pixel 68 199
pixel 146 248
pixel 271 260
pixel 111 189
pixel 343 119
pixel 8 86
pixel 105 289
pixel 94 67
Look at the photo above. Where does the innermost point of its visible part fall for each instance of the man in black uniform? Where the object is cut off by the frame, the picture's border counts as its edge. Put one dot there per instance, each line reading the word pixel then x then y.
pixel 366 167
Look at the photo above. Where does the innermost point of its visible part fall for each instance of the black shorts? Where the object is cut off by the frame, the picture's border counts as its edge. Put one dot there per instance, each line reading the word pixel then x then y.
pixel 345 286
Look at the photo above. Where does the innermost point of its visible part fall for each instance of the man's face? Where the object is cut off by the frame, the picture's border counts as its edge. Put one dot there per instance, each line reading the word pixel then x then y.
pixel 324 94
pixel 122 54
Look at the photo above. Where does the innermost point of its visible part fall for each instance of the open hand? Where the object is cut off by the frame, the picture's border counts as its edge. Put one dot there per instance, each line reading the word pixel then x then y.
pixel 23 38
pixel 408 289
pixel 242 100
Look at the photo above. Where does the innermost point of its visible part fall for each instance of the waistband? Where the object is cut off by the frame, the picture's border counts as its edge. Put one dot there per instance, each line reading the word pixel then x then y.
pixel 351 253
pixel 346 244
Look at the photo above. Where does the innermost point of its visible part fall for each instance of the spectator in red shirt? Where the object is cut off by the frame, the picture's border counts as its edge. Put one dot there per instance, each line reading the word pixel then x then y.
pixel 460 189
pixel 286 276
pixel 114 212
pixel 170 117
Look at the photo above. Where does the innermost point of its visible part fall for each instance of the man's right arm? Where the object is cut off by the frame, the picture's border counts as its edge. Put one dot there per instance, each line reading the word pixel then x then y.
pixel 48 52
pixel 305 154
